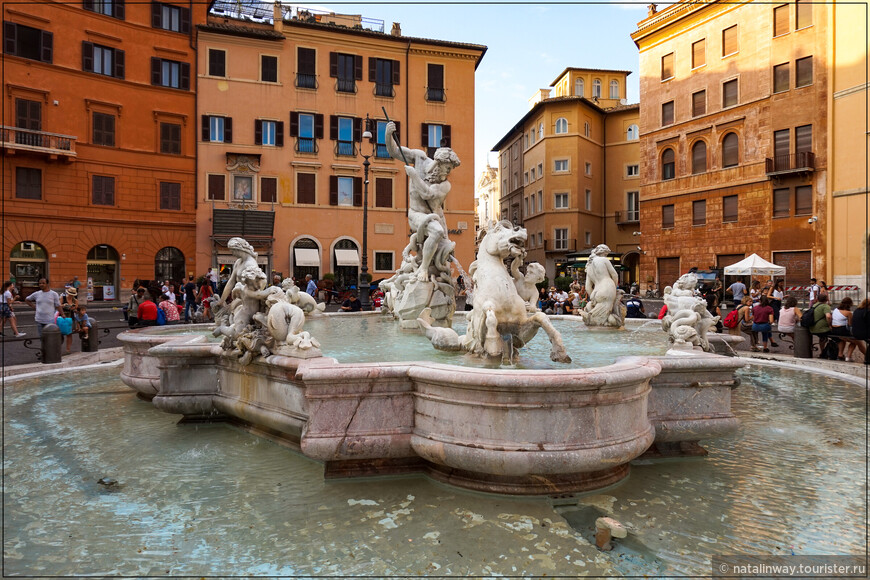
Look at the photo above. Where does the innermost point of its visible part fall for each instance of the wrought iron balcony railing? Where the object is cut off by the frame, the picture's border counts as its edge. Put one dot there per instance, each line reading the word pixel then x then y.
pixel 627 217
pixel 791 163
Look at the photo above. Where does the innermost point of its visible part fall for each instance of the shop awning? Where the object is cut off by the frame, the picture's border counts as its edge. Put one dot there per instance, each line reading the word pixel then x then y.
pixel 307 257
pixel 346 258
pixel 225 259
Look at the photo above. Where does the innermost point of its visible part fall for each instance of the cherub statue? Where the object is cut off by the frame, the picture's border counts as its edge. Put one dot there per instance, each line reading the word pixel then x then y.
pixel 526 284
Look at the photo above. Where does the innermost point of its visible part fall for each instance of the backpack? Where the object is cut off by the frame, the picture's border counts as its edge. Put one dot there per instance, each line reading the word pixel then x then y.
pixel 808 318
pixel 161 317
pixel 732 319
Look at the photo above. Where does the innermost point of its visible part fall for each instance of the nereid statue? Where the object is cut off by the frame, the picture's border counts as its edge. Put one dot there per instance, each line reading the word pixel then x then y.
pixel 604 307
pixel 688 319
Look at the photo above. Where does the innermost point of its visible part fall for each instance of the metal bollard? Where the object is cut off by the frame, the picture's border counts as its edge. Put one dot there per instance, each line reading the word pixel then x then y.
pixel 51 341
pixel 803 342
pixel 92 343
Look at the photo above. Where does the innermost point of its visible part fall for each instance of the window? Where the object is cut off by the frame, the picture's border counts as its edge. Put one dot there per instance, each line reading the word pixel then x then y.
pixel 803 72
pixel 306 128
pixel 532 173
pixel 803 200
pixel 346 69
pixel 435 83
pixel 596 89
pixel 434 136
pixel 588 200
pixel 699 212
pixel 103 192
pixel 170 195
pixel 383 261
pixel 28 183
pixel 540 132
pixel 668 216
pixel 668 164
pixel 729 41
pixel 804 10
pixel 803 140
pixel 346 191
pixel 306 73
pixel 217 129
pixel 384 73
pixel 381 146
pixel 170 138
pixel 540 170
pixel 780 77
pixel 540 200
pixel 632 205
pixel 217 63
pixel 28 115
pixel 780 20
pixel 525 141
pixel 346 131
pixel 668 113
pixel 169 17
pixel 699 103
pixel 632 170
pixel 269 133
pixel 586 129
pixel 305 192
pixel 383 192
pixel 170 73
pixel 632 133
pixel 532 203
pixel 729 93
pixel 561 239
pixel 561 201
pixel 560 165
pixel 27 42
pixel 730 153
pixel 561 125
pixel 532 136
pixel 699 53
pixel 578 87
pixel 781 149
pixel 614 89
pixel 268 68
pixel 587 238
pixel 113 8
pixel 668 66
pixel 699 157
pixel 526 178
pixel 729 208
pixel 782 202
pixel 102 60
pixel 103 129
pixel 525 206
pixel 588 169
pixel 217 187
pixel 268 189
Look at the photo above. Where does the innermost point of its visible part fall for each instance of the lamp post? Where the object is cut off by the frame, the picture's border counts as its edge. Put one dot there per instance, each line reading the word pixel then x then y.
pixel 364 283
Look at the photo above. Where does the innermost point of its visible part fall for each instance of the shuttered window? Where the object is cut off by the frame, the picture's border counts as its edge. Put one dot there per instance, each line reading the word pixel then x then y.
pixel 730 150
pixel 103 129
pixel 217 63
pixel 781 143
pixel 729 93
pixel 268 68
pixel 103 192
pixel 346 69
pixel 729 208
pixel 102 60
pixel 668 66
pixel 28 183
pixel 668 165
pixel 268 189
pixel 667 113
pixel 699 212
pixel 306 73
pixel 170 138
pixel 170 195
pixel 699 157
pixel 781 77
pixel 217 187
pixel 113 8
pixel 384 73
pixel 781 202
pixel 803 139
pixel 699 103
pixel 435 82
pixel 804 12
pixel 780 20
pixel 668 216
pixel 803 200
pixel 803 72
pixel 28 114
pixel 383 192
pixel 729 41
pixel 305 192
pixel 27 42
pixel 699 53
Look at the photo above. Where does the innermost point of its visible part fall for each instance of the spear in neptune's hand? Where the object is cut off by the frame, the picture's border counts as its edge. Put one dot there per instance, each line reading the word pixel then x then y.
pixel 395 137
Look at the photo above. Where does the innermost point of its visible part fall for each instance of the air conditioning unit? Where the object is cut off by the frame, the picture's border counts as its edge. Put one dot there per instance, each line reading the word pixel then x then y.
pixel 28 247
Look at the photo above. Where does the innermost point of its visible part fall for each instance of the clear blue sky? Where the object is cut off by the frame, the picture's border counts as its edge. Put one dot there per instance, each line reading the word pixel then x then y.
pixel 528 46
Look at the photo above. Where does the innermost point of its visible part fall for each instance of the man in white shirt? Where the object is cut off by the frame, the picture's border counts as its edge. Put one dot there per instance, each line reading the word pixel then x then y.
pixel 814 291
pixel 46 302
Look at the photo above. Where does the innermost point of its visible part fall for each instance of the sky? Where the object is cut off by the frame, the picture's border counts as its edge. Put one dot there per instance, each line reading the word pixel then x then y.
pixel 529 44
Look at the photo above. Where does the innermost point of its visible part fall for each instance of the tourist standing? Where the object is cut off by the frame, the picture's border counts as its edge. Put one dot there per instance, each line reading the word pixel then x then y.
pixel 189 298
pixel 205 294
pixel 47 304
pixel 814 291
pixel 213 279
pixel 775 295
pixel 737 291
pixel 133 305
pixel 310 286
pixel 7 298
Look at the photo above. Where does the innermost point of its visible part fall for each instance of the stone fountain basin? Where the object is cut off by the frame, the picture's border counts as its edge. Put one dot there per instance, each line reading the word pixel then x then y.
pixel 505 431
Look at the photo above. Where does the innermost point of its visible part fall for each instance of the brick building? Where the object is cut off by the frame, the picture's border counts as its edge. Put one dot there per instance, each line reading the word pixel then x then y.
pixel 98 142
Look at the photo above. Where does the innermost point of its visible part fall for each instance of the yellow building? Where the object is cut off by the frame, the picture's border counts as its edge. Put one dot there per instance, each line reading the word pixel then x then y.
pixel 283 100
pixel 487 198
pixel 570 170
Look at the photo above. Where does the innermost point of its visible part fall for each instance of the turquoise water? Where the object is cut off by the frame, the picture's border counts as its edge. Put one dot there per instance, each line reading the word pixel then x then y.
pixel 213 500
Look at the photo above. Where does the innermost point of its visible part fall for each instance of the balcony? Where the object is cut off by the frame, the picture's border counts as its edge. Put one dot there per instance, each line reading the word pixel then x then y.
pixel 782 165
pixel 306 145
pixel 51 144
pixel 345 148
pixel 559 245
pixel 627 217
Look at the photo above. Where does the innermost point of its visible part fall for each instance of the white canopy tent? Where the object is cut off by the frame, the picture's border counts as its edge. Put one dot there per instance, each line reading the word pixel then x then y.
pixel 754 265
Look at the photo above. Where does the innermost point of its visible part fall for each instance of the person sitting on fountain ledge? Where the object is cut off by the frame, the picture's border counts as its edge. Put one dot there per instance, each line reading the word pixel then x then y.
pixel 352 304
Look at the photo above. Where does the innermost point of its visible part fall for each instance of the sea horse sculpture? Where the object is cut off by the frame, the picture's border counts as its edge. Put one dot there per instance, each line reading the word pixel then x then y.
pixel 688 319
pixel 499 321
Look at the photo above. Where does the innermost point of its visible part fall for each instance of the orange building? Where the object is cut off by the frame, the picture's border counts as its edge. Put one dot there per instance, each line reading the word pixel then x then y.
pixel 98 142
pixel 283 102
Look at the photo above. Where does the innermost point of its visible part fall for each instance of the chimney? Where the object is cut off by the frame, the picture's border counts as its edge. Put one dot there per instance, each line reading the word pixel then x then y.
pixel 396 30
pixel 651 9
pixel 278 17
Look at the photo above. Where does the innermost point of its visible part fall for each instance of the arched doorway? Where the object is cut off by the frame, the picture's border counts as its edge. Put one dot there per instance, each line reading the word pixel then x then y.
pixel 631 268
pixel 103 272
pixel 28 262
pixel 345 256
pixel 169 265
pixel 306 260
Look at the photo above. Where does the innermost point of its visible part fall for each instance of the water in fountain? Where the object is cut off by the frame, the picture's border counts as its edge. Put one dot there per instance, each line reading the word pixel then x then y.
pixel 466 279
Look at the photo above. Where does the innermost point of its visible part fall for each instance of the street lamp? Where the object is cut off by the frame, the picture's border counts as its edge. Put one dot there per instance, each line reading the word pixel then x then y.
pixel 364 283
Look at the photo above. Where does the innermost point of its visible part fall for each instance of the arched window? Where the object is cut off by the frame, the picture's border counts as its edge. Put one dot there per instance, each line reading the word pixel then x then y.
pixel 346 260
pixel 578 87
pixel 632 133
pixel 169 265
pixel 730 150
pixel 306 260
pixel 103 261
pixel 596 88
pixel 699 157
pixel 668 165
pixel 614 89
pixel 561 125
